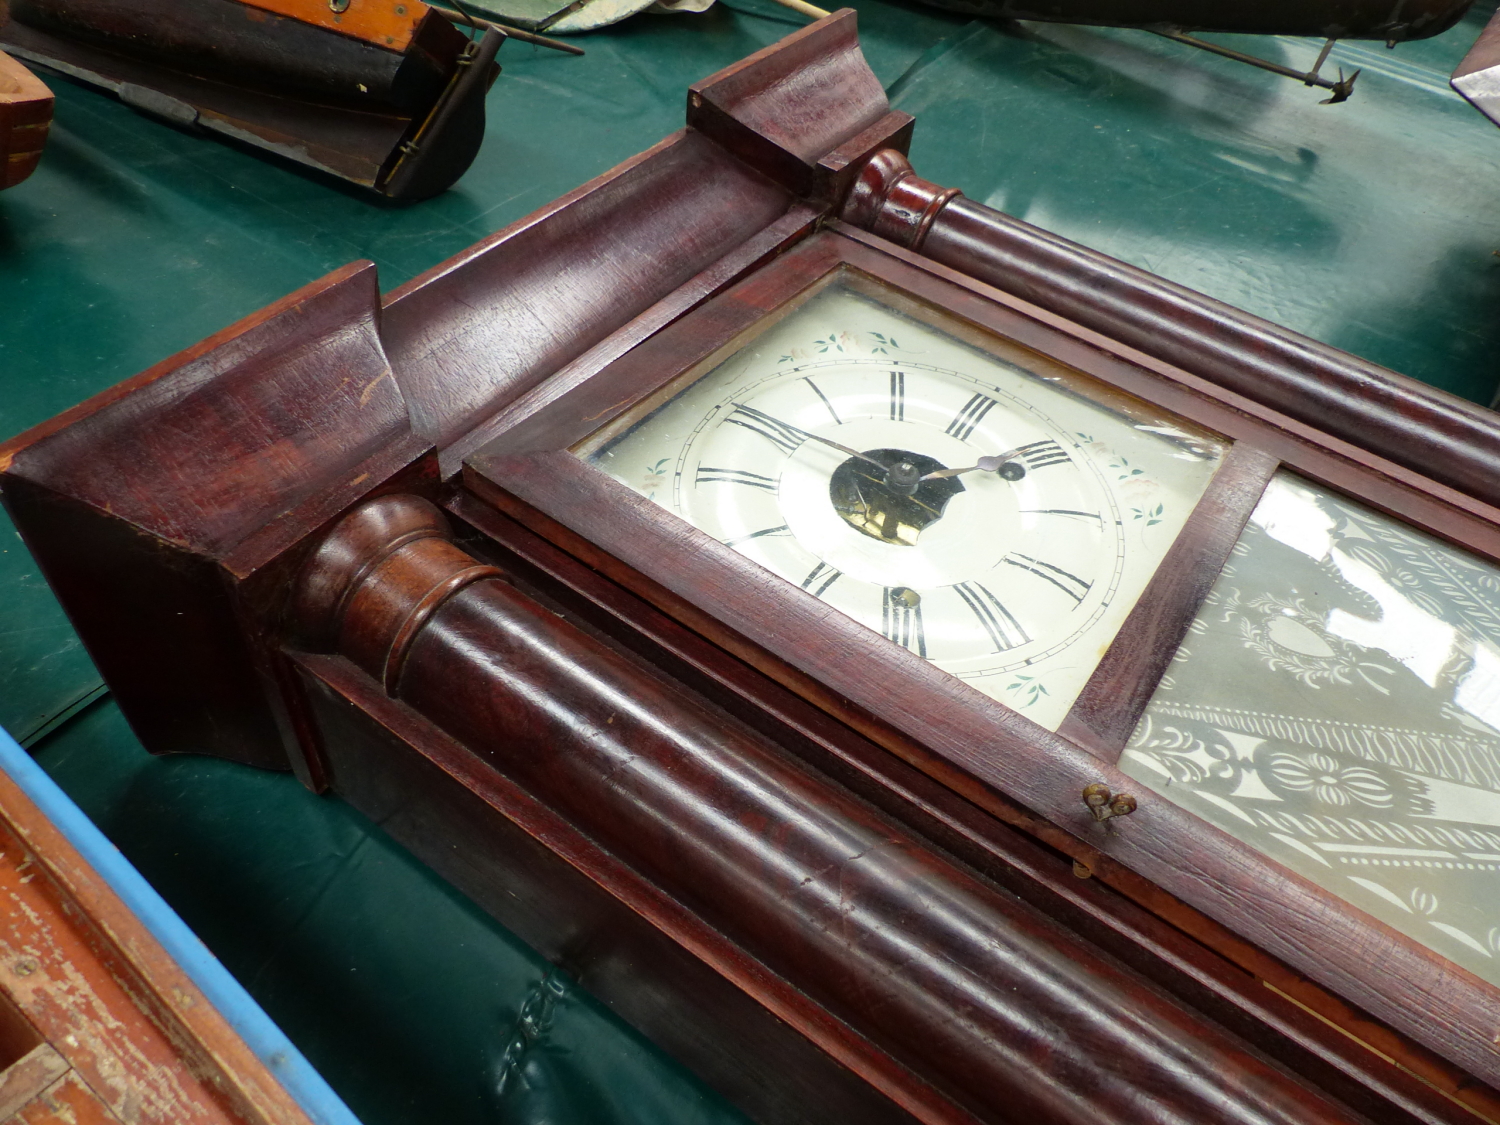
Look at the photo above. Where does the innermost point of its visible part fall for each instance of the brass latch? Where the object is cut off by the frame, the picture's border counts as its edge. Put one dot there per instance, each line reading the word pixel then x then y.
pixel 1104 804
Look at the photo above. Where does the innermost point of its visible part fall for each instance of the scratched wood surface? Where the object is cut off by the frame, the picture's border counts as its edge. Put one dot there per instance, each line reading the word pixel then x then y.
pixel 122 1033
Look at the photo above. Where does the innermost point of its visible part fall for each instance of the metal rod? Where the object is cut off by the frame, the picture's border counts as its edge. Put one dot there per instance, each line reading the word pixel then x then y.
pixel 1341 89
pixel 515 33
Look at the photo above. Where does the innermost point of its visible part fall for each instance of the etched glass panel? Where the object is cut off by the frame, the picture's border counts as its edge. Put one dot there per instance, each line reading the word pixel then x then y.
pixel 1336 705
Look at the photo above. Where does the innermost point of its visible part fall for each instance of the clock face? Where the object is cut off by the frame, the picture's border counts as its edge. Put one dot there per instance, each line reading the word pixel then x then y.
pixel 997 516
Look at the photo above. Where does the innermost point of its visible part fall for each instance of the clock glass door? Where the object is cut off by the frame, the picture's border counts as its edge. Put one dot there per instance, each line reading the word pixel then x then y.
pixel 979 504
pixel 1336 704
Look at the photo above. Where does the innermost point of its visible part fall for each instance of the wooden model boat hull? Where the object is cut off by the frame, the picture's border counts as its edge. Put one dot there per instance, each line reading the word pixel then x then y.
pixel 25 118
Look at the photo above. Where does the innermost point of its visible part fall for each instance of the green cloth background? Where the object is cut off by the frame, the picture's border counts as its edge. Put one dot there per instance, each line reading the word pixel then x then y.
pixel 1372 225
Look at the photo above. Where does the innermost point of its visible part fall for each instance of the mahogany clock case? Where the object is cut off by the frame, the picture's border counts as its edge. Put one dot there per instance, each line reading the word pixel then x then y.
pixel 176 557
pixel 530 472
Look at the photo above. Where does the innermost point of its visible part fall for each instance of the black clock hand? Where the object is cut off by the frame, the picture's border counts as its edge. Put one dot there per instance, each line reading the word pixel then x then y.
pixel 987 464
pixel 885 482
pixel 754 413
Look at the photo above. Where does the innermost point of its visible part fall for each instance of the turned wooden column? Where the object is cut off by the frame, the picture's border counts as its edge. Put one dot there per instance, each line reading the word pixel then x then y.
pixel 1439 435
pixel 989 1001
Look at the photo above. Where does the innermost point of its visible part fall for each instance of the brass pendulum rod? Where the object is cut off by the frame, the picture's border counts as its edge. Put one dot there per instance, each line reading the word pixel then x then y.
pixel 1341 89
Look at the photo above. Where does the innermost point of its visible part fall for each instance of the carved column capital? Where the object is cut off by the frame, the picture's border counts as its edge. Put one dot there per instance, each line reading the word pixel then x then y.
pixel 890 200
pixel 380 574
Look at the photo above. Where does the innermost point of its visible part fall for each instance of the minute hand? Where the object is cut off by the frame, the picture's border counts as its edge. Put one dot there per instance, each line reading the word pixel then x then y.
pixel 987 464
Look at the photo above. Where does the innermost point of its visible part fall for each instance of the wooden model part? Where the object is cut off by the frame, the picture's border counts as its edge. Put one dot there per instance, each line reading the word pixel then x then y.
pixel 832 904
pixel 25 118
pixel 386 23
pixel 404 121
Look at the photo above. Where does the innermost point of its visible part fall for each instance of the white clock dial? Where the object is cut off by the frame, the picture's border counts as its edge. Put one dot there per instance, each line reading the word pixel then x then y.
pixel 826 451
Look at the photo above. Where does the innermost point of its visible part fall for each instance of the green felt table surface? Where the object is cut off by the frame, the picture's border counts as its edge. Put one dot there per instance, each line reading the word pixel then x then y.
pixel 1371 225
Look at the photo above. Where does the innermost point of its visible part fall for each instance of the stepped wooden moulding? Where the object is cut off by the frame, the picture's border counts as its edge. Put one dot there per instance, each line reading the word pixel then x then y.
pixel 844 625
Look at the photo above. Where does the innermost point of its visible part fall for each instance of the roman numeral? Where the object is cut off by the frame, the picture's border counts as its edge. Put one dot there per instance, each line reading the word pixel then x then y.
pixel 901 619
pixel 822 577
pixel 970 416
pixel 898 396
pixel 778 433
pixel 1070 584
pixel 737 540
pixel 819 392
pixel 1004 630
pixel 735 476
pixel 1040 454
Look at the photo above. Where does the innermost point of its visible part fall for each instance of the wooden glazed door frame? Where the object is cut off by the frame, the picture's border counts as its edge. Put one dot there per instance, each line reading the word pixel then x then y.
pixel 529 473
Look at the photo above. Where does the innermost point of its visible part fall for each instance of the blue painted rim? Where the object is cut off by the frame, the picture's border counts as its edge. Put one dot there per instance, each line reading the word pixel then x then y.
pixel 270 1044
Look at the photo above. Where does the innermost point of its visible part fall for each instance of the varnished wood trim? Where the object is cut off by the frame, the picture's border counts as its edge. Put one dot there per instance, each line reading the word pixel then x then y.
pixel 976 825
pixel 1111 703
pixel 1425 429
pixel 616 879
pixel 627 343
pixel 949 730
pixel 806 877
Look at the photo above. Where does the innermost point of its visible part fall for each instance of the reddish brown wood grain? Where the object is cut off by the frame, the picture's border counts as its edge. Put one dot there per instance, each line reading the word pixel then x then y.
pixel 815 650
pixel 785 107
pixel 1112 702
pixel 142 1041
pixel 177 554
pixel 303 383
pixel 146 534
pixel 1435 433
pixel 67 1102
pixel 743 259
pixel 883 933
pixel 1234 993
pixel 469 335
pixel 1399 981
pixel 1447 512
pixel 749 1032
pixel 1430 1066
pixel 139 526
pixel 568 408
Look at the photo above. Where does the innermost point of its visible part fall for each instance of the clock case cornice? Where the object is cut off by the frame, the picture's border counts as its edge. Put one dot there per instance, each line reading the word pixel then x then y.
pixel 173 513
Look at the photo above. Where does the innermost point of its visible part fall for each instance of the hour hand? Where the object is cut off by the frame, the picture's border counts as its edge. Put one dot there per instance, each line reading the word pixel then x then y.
pixel 787 427
pixel 846 449
pixel 1002 463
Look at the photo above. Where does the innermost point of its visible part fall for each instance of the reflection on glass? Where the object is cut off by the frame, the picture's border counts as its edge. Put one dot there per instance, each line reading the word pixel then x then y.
pixel 1337 705
pixel 1036 504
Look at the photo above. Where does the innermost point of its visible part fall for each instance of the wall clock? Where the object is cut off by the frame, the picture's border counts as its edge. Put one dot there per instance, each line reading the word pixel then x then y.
pixel 912 667
pixel 991 516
